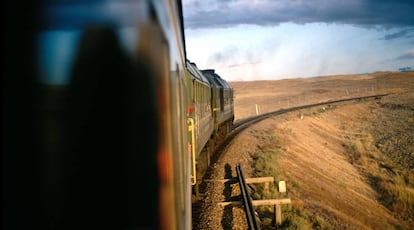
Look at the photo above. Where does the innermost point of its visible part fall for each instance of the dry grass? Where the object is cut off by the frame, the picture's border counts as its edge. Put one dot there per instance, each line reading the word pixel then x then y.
pixel 391 184
pixel 266 164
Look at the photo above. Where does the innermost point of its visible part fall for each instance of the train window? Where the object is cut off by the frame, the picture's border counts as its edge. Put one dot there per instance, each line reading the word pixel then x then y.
pixel 56 51
pixel 59 34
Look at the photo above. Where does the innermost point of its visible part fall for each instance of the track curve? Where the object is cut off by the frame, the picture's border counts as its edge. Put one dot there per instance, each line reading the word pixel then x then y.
pixel 241 125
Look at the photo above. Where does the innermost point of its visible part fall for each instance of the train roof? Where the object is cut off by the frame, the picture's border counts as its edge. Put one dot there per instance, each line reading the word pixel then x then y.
pixel 215 79
pixel 192 68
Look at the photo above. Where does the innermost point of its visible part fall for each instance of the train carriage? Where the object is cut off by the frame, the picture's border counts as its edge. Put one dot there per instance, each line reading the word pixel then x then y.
pixel 95 116
pixel 201 123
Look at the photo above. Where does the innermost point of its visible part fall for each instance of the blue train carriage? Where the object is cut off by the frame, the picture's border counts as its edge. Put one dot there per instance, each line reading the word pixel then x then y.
pixel 222 103
pixel 98 138
pixel 200 115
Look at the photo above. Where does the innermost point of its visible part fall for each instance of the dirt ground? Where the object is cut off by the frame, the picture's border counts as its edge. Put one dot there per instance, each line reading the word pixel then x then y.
pixel 333 158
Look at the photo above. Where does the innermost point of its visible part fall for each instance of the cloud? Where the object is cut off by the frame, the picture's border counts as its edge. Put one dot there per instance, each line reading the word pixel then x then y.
pixel 220 13
pixel 404 33
pixel 407 56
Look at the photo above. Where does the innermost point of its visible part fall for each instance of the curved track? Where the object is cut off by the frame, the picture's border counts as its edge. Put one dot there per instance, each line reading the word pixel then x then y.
pixel 245 123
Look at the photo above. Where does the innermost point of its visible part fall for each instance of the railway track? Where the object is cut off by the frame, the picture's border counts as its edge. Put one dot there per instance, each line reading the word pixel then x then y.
pixel 245 123
pixel 247 200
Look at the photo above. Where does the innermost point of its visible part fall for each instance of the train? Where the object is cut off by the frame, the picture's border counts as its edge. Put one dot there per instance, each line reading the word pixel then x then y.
pixel 210 117
pixel 106 123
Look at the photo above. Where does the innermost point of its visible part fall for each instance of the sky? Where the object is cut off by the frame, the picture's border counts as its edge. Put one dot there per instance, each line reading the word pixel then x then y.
pixel 245 40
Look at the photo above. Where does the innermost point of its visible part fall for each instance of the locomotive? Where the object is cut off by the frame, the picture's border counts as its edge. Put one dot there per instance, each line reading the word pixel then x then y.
pixel 210 116
pixel 106 124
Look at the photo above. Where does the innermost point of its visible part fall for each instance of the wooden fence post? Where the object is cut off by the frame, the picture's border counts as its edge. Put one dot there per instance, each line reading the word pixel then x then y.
pixel 278 214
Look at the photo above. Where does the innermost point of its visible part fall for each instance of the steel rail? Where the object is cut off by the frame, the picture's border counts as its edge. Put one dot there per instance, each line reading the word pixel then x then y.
pixel 243 123
pixel 247 201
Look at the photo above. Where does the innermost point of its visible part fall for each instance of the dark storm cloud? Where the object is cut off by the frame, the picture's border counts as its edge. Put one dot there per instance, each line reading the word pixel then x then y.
pixel 219 13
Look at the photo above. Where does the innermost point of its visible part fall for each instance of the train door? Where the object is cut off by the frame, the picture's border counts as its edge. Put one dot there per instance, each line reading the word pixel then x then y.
pixel 221 99
pixel 198 111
